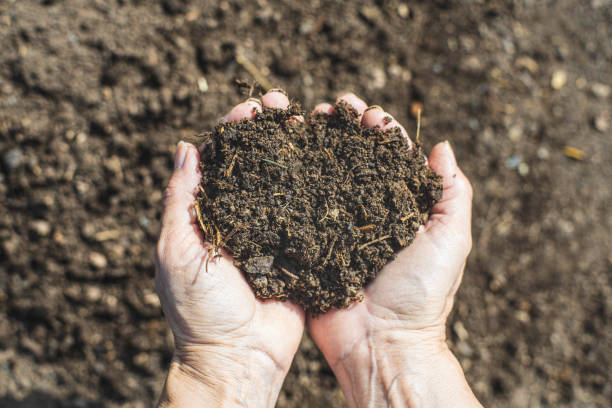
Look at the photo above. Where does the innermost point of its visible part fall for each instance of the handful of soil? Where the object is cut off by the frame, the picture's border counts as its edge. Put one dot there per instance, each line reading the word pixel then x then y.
pixel 311 211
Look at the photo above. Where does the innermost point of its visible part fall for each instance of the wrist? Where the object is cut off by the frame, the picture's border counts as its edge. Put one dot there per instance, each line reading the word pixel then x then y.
pixel 222 377
pixel 402 370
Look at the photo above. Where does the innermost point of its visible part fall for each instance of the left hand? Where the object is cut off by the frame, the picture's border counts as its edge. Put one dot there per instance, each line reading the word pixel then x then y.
pixel 230 347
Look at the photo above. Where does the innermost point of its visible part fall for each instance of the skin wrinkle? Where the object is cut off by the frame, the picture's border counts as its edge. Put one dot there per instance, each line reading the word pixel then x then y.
pixel 247 373
pixel 210 375
pixel 374 368
pixel 399 316
pixel 396 314
pixel 394 382
pixel 373 371
pixel 170 193
pixel 201 266
pixel 269 356
pixel 190 248
pixel 455 286
pixel 353 381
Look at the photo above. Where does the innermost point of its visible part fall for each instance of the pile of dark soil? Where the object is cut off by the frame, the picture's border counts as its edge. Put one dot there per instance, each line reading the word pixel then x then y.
pixel 311 211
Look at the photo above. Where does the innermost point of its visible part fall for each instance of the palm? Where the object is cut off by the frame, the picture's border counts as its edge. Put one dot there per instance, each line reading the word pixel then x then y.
pixel 416 284
pixel 411 293
pixel 215 305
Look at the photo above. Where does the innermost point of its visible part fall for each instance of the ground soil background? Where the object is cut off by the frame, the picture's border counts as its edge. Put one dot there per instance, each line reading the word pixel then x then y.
pixel 95 94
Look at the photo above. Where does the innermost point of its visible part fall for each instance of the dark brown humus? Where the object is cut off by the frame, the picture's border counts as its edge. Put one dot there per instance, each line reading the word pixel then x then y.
pixel 312 211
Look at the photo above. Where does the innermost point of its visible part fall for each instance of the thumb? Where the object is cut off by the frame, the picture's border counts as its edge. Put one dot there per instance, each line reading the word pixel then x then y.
pixel 451 216
pixel 182 188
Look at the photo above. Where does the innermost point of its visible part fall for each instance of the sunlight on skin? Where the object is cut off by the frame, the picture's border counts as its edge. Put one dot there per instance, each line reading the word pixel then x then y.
pixel 389 349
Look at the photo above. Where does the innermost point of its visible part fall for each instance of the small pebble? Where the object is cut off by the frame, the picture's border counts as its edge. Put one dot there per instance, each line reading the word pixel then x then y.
pixel 543 153
pixel 403 10
pixel 93 293
pixel 151 299
pixel 81 138
pixel 602 122
pixel 515 133
pixel 522 316
pixel 395 70
pixel 41 227
pixel 528 63
pixel 513 162
pixel 306 27
pixel 471 64
pixel 110 300
pixel 460 330
pixel 371 14
pixel 88 230
pixel 473 123
pixel 465 349
pixel 144 221
pixel 379 78
pixel 558 80
pixel 97 260
pixel 523 169
pixel 202 84
pixel 601 90
pixel 12 158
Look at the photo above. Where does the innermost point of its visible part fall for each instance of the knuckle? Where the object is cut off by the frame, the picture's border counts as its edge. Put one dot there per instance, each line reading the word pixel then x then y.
pixel 470 189
pixel 468 244
pixel 465 186
pixel 166 195
pixel 159 252
pixel 170 191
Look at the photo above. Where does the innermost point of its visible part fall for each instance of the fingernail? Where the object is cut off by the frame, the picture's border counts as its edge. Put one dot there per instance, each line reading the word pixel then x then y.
pixel 373 107
pixel 451 152
pixel 278 90
pixel 257 108
pixel 254 100
pixel 179 157
pixel 347 95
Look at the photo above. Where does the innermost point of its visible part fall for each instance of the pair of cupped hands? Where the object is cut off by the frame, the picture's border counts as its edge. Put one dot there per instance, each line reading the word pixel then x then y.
pixel 232 349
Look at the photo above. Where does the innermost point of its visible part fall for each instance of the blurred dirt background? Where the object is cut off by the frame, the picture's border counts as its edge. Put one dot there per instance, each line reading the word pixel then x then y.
pixel 95 94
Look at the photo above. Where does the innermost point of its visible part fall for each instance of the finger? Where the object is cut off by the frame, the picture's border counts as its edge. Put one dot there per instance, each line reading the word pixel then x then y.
pixel 375 116
pixel 275 98
pixel 453 213
pixel 244 110
pixel 182 189
pixel 324 108
pixel 357 103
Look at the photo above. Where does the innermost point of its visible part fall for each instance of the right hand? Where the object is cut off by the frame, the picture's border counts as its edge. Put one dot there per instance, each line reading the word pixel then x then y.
pixel 402 318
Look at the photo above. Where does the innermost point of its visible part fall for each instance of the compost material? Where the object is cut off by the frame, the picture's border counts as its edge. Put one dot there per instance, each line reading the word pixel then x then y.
pixel 311 211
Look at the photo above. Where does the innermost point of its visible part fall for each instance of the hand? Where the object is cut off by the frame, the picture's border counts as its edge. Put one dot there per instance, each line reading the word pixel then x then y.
pixel 380 348
pixel 230 348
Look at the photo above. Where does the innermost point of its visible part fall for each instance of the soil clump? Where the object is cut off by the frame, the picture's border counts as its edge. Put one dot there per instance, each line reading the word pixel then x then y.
pixel 311 211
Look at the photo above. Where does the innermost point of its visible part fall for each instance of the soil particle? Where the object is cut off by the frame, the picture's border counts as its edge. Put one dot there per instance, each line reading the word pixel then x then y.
pixel 312 211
